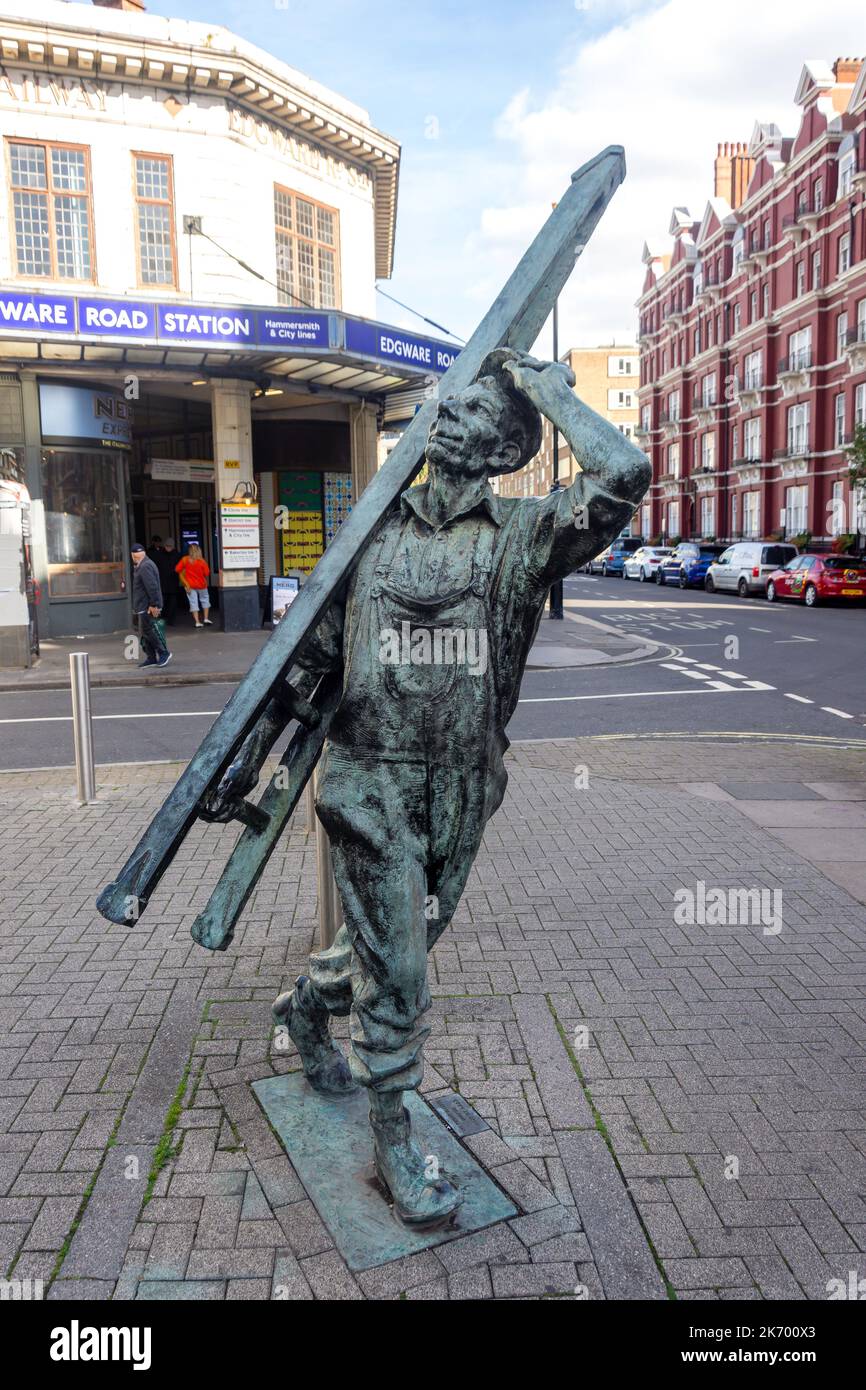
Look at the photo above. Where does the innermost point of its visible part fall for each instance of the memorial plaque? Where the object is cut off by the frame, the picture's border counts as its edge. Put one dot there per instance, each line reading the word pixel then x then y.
pixel 458 1115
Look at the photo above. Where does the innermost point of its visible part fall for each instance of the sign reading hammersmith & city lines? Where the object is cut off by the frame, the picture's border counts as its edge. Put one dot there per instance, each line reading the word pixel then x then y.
pixel 253 328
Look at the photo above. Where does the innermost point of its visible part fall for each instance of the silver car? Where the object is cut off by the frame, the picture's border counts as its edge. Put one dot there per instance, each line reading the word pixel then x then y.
pixel 644 563
pixel 744 568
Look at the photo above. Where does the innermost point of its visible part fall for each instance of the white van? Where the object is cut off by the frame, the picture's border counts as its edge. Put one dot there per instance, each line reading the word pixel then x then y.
pixel 744 568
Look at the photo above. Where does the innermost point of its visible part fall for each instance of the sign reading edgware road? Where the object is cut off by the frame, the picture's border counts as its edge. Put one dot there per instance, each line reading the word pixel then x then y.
pixel 217 325
pixel 378 340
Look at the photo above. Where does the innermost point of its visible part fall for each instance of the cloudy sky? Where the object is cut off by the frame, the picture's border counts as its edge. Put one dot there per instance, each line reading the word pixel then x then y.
pixel 495 102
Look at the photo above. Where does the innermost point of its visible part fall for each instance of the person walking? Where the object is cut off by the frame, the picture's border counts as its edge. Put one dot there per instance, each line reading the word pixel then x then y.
pixel 194 570
pixel 166 558
pixel 147 605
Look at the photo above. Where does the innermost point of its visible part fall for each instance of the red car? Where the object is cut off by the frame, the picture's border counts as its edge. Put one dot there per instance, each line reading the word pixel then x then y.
pixel 812 578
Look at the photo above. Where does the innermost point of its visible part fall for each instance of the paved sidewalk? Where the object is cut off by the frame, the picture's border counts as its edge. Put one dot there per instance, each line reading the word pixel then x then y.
pixel 677 1109
pixel 213 655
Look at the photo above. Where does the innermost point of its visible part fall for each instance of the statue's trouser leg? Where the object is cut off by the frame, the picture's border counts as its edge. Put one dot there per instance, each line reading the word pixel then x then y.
pixel 376 970
pixel 403 839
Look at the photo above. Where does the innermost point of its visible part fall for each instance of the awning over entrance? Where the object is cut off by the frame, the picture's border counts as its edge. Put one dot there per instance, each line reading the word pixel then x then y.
pixel 313 350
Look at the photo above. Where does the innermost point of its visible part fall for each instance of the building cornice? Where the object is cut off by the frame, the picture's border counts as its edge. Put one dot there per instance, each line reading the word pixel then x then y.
pixel 225 68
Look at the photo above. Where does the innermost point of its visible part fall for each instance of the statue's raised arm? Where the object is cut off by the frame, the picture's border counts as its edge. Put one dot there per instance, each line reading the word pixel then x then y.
pixel 577 522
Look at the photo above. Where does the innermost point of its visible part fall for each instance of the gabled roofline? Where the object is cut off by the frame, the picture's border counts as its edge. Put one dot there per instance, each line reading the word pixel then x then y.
pixel 815 72
pixel 858 96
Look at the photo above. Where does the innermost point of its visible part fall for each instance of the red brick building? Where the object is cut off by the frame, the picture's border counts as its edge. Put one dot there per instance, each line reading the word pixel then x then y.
pixel 752 331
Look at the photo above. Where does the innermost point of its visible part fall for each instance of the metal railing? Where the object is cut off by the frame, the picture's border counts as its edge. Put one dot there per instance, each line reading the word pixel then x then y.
pixel 796 361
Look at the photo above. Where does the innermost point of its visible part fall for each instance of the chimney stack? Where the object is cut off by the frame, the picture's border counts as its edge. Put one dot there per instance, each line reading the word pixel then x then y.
pixel 733 170
pixel 847 69
pixel 137 6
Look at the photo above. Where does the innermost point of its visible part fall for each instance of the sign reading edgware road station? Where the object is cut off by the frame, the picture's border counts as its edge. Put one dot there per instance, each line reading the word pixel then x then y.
pixel 251 328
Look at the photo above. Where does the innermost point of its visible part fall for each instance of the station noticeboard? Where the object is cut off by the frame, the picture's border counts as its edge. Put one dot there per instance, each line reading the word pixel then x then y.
pixel 239 535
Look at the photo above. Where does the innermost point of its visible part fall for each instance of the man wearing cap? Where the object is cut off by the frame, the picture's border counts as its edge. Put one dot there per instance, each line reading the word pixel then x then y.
pixel 147 605
pixel 439 616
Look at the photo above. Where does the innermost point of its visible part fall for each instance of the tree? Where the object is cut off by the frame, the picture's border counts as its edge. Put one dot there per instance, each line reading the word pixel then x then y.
pixel 857 478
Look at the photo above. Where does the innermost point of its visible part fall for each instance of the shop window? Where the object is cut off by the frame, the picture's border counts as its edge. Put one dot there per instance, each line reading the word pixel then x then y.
pixel 154 211
pixel 83 525
pixel 308 251
pixel 50 188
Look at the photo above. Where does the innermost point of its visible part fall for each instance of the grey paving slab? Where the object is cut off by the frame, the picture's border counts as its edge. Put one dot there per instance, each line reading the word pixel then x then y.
pixel 565 1104
pixel 770 791
pixel 616 1237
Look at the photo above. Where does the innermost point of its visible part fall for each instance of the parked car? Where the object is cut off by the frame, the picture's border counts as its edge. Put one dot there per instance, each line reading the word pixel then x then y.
pixel 594 566
pixel 613 558
pixel 688 563
pixel 744 568
pixel 814 578
pixel 643 564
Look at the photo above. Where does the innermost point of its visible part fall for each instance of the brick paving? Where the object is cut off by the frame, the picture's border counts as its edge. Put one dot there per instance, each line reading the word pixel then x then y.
pixel 676 1110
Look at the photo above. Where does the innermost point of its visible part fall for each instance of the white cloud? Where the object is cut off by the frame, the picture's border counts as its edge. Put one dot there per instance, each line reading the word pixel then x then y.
pixel 668 85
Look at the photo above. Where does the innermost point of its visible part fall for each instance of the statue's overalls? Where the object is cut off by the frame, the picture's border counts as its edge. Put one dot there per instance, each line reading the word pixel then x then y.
pixel 413 767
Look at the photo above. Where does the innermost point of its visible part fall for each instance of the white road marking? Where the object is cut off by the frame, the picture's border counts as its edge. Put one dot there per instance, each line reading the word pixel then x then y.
pixel 169 714
pixel 828 709
pixel 632 695
pixel 760 629
pixel 801 698
pixel 780 641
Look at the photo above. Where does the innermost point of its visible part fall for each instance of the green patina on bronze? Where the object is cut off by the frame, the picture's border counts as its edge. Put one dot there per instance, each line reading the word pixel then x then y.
pixel 404 678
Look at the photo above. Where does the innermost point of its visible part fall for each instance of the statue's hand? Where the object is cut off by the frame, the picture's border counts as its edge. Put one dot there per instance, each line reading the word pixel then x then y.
pixel 548 385
pixel 237 781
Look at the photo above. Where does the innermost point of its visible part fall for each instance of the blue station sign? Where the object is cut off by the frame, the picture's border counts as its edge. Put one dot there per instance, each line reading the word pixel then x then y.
pixel 251 328
pixel 38 313
pixel 394 345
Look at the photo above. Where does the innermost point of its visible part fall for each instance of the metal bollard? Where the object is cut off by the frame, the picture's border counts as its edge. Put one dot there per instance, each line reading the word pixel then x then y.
pixel 82 726
pixel 329 897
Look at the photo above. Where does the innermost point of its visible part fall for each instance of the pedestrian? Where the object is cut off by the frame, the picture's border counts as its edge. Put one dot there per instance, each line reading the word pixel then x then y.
pixel 154 549
pixel 166 560
pixel 147 605
pixel 194 571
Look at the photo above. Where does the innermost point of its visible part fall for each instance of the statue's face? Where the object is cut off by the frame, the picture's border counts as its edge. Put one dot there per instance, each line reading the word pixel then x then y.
pixel 467 437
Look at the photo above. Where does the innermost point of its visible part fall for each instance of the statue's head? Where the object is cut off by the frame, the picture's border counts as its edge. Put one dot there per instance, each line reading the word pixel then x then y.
pixel 488 427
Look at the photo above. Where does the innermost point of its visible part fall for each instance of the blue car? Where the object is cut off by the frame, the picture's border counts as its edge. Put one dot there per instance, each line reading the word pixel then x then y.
pixel 687 565
pixel 613 558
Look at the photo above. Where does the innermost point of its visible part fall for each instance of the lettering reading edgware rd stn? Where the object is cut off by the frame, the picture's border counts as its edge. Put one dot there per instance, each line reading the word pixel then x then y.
pixel 107 316
pixel 23 311
pixel 204 325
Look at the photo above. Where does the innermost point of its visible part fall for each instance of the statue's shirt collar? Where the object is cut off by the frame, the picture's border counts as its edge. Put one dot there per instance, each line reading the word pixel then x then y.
pixel 414 499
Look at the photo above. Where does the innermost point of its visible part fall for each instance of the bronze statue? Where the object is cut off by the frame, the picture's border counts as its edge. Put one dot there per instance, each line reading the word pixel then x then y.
pixel 413 766
pixel 401 661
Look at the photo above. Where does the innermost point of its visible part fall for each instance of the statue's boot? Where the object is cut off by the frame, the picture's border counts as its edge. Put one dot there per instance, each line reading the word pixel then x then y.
pixel 418 1201
pixel 325 1067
